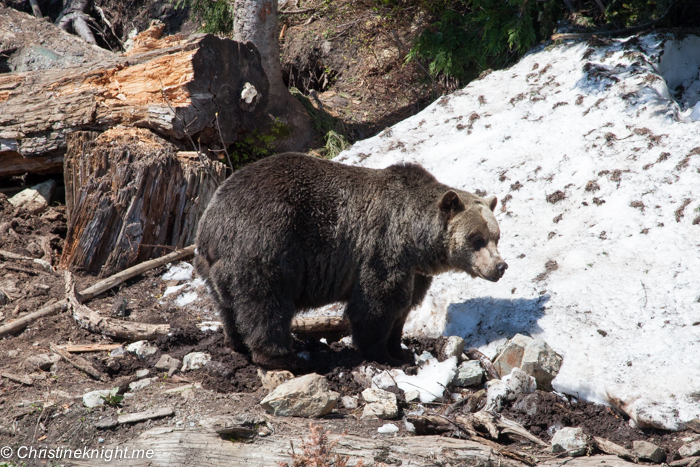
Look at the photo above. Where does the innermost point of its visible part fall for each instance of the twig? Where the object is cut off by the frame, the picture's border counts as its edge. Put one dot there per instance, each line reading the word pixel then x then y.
pixel 10 255
pixel 297 12
pixel 21 323
pixel 223 145
pixel 452 407
pixel 80 363
pixel 491 372
pixel 406 51
pixel 96 289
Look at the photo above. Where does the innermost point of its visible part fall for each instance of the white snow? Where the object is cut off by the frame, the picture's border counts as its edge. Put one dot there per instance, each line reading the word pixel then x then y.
pixel 388 428
pixel 431 381
pixel 622 304
pixel 179 272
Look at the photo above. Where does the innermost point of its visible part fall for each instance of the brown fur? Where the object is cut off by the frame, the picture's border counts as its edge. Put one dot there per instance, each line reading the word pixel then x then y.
pixel 293 232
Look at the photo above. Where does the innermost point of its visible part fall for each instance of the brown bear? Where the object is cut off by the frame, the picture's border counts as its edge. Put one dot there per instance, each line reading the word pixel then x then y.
pixel 293 232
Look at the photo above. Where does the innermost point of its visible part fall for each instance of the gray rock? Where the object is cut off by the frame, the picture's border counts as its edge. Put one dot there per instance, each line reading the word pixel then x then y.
pixel 349 402
pixel 647 451
pixel 423 358
pixel 690 449
pixel 541 362
pixel 118 352
pixel 305 396
pixel 141 384
pixel 453 347
pixel 119 306
pixel 509 388
pixel 41 361
pixel 572 441
pixel 95 398
pixel 413 395
pixel 35 199
pixel 380 404
pixel 168 363
pixel 469 373
pixel 142 373
pixel 195 361
pixel 142 348
pixel 512 356
pixel 271 379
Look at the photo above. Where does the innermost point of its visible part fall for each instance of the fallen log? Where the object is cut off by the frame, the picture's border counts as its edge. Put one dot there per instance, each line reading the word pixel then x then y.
pixel 95 290
pixel 93 322
pixel 183 88
pixel 177 447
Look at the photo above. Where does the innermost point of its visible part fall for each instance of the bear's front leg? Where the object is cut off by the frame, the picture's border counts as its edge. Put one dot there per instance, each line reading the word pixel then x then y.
pixel 421 284
pixel 374 314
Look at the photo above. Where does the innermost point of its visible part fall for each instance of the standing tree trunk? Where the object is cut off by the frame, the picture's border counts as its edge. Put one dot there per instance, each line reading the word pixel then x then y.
pixel 256 22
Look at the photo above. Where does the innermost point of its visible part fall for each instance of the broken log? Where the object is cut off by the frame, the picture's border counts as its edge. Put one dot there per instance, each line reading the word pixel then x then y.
pixel 79 363
pixel 178 88
pixel 171 446
pixel 94 290
pixel 131 196
pixel 93 322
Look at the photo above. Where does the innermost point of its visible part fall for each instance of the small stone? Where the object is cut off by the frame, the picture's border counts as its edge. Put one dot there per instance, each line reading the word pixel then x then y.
pixel 118 352
pixel 41 361
pixel 12 353
pixel 142 348
pixel 690 449
pixel 572 441
pixel 271 379
pixel 412 395
pixel 35 199
pixel 195 361
pixel 647 451
pixel 142 373
pixel 388 428
pixel 380 404
pixel 350 402
pixel 469 373
pixel 95 398
pixel 119 307
pixel 168 363
pixel 187 394
pixel 423 358
pixel 305 396
pixel 141 384
pixel 264 431
pixel 453 346
pixel 509 388
pixel 512 356
pixel 541 362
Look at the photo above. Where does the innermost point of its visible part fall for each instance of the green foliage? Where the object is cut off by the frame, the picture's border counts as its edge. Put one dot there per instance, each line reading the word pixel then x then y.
pixel 216 15
pixel 628 13
pixel 256 145
pixel 113 399
pixel 470 36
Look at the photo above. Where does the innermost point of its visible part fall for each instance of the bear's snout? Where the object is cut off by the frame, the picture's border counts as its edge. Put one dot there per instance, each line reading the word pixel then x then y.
pixel 501 268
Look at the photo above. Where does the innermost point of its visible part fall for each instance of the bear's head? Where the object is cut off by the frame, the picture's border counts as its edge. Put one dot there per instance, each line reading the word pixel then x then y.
pixel 473 235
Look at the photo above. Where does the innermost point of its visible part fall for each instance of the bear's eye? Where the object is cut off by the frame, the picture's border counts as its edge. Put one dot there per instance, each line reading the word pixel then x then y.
pixel 478 242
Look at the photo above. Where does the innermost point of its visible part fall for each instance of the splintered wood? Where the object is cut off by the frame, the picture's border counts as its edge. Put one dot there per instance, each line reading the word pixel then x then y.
pixel 130 197
pixel 179 87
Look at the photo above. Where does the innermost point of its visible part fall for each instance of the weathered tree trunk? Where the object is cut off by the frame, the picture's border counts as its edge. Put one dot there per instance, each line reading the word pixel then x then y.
pixel 132 196
pixel 257 22
pixel 178 88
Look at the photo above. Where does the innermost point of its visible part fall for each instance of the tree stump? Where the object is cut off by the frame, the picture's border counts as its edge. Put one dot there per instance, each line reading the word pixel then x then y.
pixel 131 196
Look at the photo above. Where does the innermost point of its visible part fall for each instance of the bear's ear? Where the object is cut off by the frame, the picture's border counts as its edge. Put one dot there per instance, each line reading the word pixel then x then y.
pixel 491 202
pixel 451 204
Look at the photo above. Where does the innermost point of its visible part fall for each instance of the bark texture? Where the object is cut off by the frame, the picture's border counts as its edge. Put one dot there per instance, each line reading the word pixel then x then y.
pixel 177 87
pixel 256 22
pixel 132 197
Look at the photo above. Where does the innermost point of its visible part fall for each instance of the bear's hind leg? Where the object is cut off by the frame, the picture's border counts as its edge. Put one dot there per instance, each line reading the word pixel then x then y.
pixel 266 324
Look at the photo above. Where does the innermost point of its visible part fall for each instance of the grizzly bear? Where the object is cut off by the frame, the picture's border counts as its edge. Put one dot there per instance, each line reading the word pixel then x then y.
pixel 293 232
